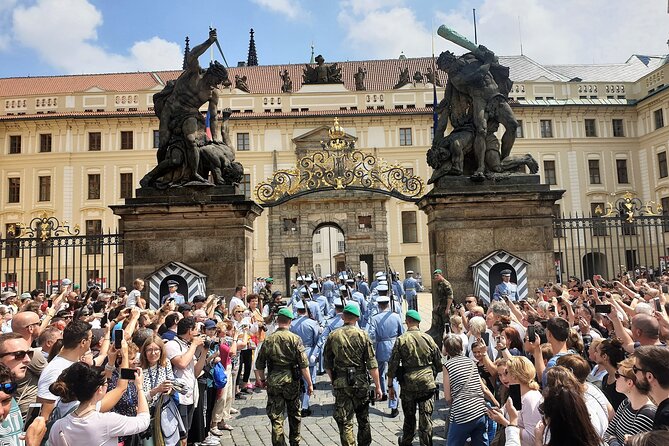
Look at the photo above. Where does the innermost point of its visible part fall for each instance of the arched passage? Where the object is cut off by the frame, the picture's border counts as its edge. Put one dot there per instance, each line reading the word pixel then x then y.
pixel 328 244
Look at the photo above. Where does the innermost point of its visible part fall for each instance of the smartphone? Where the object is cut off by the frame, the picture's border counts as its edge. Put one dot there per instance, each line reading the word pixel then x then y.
pixel 128 374
pixel 118 337
pixel 498 339
pixel 601 293
pixel 604 309
pixel 486 338
pixel 531 334
pixel 514 394
pixel 34 411
pixel 658 305
pixel 665 289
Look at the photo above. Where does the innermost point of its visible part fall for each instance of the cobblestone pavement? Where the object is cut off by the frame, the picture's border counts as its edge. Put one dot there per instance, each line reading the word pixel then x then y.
pixel 251 425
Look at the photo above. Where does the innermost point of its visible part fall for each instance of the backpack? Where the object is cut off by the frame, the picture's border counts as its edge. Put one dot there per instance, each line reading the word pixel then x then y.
pixel 219 375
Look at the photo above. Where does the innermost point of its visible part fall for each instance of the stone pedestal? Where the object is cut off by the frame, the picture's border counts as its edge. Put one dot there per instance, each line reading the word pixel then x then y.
pixel 467 221
pixel 207 228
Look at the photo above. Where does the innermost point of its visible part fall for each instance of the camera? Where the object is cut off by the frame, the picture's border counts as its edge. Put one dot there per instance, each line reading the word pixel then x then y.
pixel 209 343
pixel 179 386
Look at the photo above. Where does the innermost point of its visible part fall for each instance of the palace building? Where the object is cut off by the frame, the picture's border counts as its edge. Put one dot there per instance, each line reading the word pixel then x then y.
pixel 71 146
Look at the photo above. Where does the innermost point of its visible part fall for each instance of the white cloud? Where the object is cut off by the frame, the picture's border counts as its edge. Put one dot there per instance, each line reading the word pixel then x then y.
pixel 64 34
pixel 289 8
pixel 573 31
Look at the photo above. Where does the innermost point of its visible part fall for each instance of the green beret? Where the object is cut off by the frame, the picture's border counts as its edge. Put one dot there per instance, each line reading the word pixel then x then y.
pixel 352 309
pixel 413 314
pixel 286 313
pixel 438 271
pixel 269 279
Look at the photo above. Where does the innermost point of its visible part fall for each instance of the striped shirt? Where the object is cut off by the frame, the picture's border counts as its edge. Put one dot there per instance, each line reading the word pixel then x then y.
pixel 628 421
pixel 468 403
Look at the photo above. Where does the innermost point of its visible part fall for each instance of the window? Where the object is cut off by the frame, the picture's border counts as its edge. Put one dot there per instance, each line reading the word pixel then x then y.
pixel 290 225
pixel 245 186
pixel 94 276
pixel 93 242
pixel 14 194
pixel 659 119
pixel 341 246
pixel 409 228
pixel 93 186
pixel 597 209
pixel 126 140
pixel 519 129
pixel 593 170
pixel 621 168
pixel 550 174
pixel 44 188
pixel 405 137
pixel 662 163
pixel 10 278
pixel 45 142
pixel 156 139
pixel 365 221
pixel 95 141
pixel 14 144
pixel 590 128
pixel 243 142
pixel 618 128
pixel 546 128
pixel 317 247
pixel 11 246
pixel 127 185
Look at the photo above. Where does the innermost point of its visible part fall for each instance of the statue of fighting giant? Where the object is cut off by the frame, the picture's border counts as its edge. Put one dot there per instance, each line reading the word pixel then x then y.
pixel 475 103
pixel 186 155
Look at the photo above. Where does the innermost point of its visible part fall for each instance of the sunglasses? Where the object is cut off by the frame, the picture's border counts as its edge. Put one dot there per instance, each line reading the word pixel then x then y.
pixel 19 355
pixel 236 312
pixel 9 388
pixel 636 369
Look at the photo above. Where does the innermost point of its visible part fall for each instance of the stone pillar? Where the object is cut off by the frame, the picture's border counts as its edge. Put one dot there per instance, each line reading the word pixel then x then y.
pixel 467 221
pixel 209 229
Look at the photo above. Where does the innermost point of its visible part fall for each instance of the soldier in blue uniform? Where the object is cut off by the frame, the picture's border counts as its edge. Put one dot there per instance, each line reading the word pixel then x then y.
pixel 329 289
pixel 309 331
pixel 506 288
pixel 172 286
pixel 375 283
pixel 359 298
pixel 384 328
pixel 333 323
pixel 320 299
pixel 362 286
pixel 297 292
pixel 411 289
pixel 314 308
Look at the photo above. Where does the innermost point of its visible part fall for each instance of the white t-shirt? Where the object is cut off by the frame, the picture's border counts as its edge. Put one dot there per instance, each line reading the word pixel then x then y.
pixel 99 429
pixel 133 297
pixel 49 375
pixel 175 348
pixel 597 404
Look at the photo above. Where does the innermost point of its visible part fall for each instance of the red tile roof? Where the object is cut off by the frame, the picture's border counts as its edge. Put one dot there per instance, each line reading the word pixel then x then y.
pixel 382 75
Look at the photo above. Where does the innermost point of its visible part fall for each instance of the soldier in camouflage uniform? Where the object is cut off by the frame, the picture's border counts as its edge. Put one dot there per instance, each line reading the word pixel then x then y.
pixel 266 292
pixel 283 355
pixel 348 357
pixel 420 362
pixel 440 313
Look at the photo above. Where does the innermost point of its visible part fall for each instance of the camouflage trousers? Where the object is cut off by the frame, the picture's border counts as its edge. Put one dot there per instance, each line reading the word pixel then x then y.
pixel 410 401
pixel 351 401
pixel 284 398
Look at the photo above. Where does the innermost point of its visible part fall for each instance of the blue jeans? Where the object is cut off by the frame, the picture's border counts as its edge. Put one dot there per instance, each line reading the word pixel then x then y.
pixel 476 429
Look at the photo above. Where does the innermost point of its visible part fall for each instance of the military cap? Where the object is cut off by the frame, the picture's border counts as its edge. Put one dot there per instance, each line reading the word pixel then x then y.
pixel 314 286
pixel 337 302
pixel 300 279
pixel 506 272
pixel 382 287
pixel 382 278
pixel 343 288
pixel 309 279
pixel 409 272
pixel 350 280
pixel 352 309
pixel 379 274
pixel 285 312
pixel 269 280
pixel 358 275
pixel 438 271
pixel 172 283
pixel 413 314
pixel 383 299
pixel 276 293
pixel 299 305
pixel 304 291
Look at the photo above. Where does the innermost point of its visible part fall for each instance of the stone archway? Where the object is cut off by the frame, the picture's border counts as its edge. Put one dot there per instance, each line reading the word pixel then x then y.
pixel 362 217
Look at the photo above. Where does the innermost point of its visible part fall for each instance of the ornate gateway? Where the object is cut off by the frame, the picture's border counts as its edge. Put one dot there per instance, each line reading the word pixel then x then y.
pixel 339 166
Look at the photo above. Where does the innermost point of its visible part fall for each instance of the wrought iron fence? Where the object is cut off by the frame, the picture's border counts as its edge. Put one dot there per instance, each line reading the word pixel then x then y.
pixel 42 253
pixel 609 245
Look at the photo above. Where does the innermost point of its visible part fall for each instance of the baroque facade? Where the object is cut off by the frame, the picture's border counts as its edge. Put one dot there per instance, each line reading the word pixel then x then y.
pixel 71 146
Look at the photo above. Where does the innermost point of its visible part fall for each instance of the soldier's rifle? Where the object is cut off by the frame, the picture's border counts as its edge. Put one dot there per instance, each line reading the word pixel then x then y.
pixel 389 279
pixel 306 305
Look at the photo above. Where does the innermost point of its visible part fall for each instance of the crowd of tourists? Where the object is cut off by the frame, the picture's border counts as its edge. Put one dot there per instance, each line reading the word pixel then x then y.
pixel 581 363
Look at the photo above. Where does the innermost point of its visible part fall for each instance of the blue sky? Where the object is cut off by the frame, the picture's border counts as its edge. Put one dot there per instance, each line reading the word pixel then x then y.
pixel 44 37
